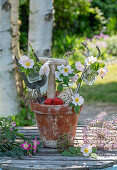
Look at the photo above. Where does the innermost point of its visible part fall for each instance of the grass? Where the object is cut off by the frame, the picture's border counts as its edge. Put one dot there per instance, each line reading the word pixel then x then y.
pixel 104 90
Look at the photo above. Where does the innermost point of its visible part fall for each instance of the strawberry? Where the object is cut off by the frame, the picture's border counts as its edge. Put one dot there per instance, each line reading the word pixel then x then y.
pixel 57 101
pixel 48 101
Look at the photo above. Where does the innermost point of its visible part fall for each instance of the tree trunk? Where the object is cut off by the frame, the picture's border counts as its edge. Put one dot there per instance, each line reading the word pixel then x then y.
pixel 40 29
pixel 8 92
pixel 40 26
pixel 15 24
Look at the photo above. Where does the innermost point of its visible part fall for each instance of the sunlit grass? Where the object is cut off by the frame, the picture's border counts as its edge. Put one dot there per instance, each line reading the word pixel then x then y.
pixel 104 90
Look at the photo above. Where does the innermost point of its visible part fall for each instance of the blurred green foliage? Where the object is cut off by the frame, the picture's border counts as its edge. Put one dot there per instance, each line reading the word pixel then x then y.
pixel 109 8
pixel 108 47
pixel 77 17
pixel 74 21
pixel 23 16
pixel 25 117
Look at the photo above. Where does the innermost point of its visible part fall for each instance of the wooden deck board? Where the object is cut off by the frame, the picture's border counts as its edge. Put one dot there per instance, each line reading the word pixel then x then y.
pixel 50 159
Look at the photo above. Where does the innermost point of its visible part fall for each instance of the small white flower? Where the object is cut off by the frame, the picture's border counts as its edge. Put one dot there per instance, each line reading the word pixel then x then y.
pixel 28 63
pixel 102 71
pixel 86 149
pixel 66 70
pixel 79 66
pixel 74 78
pixel 23 58
pixel 77 100
pixel 45 69
pixel 60 67
pixel 90 60
pixel 57 75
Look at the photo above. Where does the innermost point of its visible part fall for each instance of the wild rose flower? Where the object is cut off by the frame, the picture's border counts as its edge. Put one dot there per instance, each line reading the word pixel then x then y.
pixel 86 149
pixel 77 100
pixel 66 70
pixel 23 58
pixel 79 66
pixel 13 124
pixel 102 72
pixel 26 146
pixel 11 129
pixel 90 60
pixel 57 75
pixel 60 67
pixel 45 69
pixel 74 78
pixel 28 63
pixel 35 142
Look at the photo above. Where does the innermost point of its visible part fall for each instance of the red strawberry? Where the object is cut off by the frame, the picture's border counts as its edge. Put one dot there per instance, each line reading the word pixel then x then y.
pixel 57 101
pixel 48 101
pixel 45 97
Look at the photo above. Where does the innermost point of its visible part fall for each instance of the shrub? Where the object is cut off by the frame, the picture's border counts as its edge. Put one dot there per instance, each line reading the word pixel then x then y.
pixel 77 17
pixel 112 45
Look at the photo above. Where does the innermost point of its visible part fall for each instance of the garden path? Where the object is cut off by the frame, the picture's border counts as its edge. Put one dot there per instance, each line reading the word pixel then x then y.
pixel 90 111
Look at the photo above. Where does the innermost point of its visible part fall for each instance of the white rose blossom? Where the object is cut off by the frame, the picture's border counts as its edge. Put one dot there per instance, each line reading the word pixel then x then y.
pixel 57 75
pixel 45 69
pixel 77 100
pixel 86 149
pixel 79 66
pixel 66 70
pixel 27 63
pixel 74 78
pixel 102 71
pixel 23 58
pixel 90 60
pixel 60 67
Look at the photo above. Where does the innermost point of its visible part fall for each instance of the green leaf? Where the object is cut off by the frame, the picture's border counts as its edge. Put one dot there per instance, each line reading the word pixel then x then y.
pixel 79 80
pixel 93 155
pixel 72 150
pixel 0 123
pixel 78 150
pixel 66 153
pixel 60 87
pixel 66 80
pixel 71 75
pixel 71 104
pixel 76 109
pixel 58 81
pixel 94 150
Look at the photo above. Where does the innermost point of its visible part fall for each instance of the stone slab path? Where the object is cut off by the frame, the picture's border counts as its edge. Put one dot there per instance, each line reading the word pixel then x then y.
pixel 90 111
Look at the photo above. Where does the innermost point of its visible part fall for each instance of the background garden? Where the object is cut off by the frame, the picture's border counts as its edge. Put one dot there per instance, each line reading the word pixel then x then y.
pixel 93 21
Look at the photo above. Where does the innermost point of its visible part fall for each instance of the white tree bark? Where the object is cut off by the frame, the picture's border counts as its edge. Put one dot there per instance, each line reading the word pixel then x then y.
pixel 15 24
pixel 40 29
pixel 40 26
pixel 8 92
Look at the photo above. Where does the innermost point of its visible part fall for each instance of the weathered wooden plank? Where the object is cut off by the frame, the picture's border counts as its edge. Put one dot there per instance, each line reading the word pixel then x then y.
pixel 57 165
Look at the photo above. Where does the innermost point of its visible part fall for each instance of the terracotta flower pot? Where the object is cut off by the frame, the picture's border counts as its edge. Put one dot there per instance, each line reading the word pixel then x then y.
pixel 53 121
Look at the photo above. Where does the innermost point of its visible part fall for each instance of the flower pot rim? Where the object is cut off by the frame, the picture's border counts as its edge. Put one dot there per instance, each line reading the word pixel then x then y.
pixel 52 109
pixel 45 105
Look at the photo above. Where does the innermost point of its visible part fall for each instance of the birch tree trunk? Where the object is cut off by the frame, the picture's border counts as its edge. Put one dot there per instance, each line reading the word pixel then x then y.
pixel 15 25
pixel 8 92
pixel 40 26
pixel 40 29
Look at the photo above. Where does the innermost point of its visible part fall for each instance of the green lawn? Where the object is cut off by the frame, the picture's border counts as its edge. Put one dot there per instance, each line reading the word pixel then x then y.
pixel 104 90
